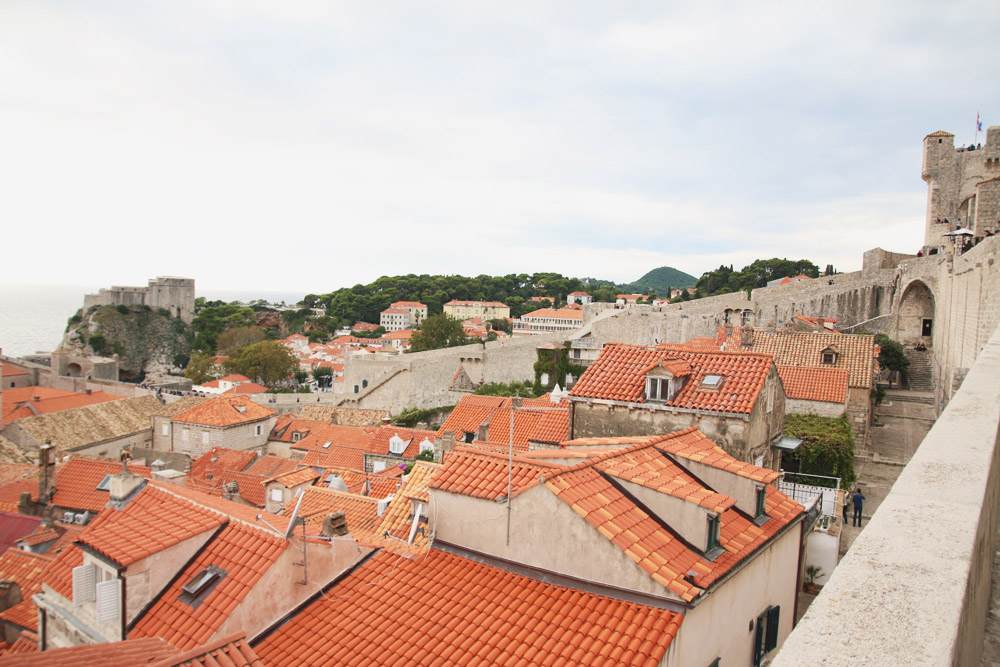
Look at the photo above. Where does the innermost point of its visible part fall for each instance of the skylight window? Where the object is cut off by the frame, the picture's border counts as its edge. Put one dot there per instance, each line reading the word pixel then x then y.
pixel 105 484
pixel 712 381
pixel 327 444
pixel 197 589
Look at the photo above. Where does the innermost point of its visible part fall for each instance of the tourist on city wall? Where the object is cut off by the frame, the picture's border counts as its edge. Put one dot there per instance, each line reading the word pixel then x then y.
pixel 847 501
pixel 858 500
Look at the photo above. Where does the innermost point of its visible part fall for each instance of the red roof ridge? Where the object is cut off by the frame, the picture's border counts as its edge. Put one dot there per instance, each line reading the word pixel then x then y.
pixel 188 656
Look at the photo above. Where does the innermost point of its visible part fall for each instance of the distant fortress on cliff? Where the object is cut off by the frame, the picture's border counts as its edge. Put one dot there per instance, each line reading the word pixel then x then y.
pixel 175 295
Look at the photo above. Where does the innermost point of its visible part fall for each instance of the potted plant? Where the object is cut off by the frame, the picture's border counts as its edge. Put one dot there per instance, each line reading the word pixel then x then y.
pixel 812 571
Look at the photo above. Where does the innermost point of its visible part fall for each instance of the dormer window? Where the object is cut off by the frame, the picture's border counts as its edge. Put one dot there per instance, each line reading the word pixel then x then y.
pixel 829 356
pixel 659 389
pixel 296 436
pixel 397 445
pixel 713 549
pixel 760 515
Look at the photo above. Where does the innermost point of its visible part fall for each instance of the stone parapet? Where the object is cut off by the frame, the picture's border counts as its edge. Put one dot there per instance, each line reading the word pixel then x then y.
pixel 914 587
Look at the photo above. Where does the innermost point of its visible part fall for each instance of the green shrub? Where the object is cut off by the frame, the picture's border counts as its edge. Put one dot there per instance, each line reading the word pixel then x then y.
pixel 827 446
pixel 97 343
pixel 123 309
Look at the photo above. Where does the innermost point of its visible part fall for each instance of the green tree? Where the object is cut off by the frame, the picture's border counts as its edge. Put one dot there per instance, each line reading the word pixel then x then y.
pixel 891 354
pixel 827 447
pixel 229 341
pixel 438 331
pixel 266 362
pixel 523 389
pixel 199 368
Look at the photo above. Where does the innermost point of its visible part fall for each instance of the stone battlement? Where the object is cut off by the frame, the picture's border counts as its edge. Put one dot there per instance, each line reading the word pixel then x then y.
pixel 168 292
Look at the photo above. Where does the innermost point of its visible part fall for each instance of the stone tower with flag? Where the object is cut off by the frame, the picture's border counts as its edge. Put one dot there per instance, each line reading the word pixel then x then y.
pixel 963 186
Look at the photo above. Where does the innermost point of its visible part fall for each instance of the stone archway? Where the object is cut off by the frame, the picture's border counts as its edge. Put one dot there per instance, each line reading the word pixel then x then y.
pixel 74 370
pixel 916 315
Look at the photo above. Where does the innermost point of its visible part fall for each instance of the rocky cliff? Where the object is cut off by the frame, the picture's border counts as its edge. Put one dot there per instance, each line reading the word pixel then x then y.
pixel 145 340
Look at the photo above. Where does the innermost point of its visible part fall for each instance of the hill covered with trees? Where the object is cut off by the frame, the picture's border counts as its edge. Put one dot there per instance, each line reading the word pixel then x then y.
pixel 660 280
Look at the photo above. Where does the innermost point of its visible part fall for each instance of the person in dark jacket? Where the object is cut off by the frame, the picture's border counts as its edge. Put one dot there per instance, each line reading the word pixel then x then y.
pixel 858 500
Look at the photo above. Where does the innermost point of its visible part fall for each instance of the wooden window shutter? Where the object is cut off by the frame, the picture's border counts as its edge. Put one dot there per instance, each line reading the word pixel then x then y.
pixel 83 583
pixel 108 602
pixel 772 628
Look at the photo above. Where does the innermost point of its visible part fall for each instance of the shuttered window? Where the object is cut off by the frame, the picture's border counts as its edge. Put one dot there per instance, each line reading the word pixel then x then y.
pixel 83 583
pixel 108 600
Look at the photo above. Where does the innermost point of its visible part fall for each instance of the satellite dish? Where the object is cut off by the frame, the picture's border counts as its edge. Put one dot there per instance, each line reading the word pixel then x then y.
pixel 294 517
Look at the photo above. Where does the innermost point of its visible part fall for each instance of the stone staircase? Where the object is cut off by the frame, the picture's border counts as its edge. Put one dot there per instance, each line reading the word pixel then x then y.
pixel 919 375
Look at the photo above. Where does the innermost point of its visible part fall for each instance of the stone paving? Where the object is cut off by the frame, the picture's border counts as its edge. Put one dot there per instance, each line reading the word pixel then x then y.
pixel 902 420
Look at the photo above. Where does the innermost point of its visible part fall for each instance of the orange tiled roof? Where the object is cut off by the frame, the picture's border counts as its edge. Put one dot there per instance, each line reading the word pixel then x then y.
pixel 397 520
pixel 365 484
pixel 140 652
pixel 246 388
pixel 231 651
pixel 815 383
pixel 269 466
pixel 355 437
pixel 224 411
pixel 295 477
pixel 26 643
pixel 643 538
pixel 11 371
pixel 27 570
pixel 152 521
pixel 543 426
pixel 11 472
pixel 10 493
pixel 336 457
pixel 574 314
pixel 214 461
pixel 494 304
pixel 229 508
pixel 45 400
pixel 694 445
pixel 618 374
pixel 444 609
pixel 483 474
pixel 413 437
pixel 858 353
pixel 251 487
pixel 77 480
pixel 286 426
pixel 361 512
pixel 245 554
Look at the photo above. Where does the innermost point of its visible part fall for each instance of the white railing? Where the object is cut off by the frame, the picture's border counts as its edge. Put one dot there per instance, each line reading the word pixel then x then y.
pixel 804 493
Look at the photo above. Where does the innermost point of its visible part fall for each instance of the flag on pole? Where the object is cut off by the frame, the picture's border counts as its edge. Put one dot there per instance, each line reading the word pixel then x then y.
pixel 979 123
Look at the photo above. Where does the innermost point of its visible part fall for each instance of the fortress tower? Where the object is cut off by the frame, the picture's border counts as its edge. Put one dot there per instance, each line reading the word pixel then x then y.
pixel 173 294
pixel 963 186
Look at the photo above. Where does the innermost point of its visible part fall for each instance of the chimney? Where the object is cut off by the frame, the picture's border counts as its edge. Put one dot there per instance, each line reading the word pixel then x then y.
pixel 46 472
pixel 483 432
pixel 157 465
pixel 447 442
pixel 334 525
pixel 231 491
pixel 746 338
pixel 89 391
pixel 386 420
pixel 124 486
pixel 337 484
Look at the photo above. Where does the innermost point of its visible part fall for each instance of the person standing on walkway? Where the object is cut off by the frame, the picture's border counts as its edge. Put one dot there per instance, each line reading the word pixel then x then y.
pixel 858 500
pixel 847 501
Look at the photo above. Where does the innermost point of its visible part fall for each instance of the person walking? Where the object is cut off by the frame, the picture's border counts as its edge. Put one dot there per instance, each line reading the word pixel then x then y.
pixel 858 499
pixel 847 501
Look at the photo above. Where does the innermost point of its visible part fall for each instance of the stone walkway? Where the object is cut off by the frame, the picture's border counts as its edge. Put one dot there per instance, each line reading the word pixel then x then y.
pixel 902 420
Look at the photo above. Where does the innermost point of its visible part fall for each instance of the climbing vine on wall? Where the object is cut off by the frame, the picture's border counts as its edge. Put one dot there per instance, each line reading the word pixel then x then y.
pixel 827 447
pixel 556 364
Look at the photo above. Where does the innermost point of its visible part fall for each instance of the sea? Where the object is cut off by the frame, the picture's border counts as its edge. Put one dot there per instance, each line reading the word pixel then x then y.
pixel 33 317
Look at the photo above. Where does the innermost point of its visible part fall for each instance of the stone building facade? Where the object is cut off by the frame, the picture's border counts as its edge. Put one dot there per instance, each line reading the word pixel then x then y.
pixel 170 293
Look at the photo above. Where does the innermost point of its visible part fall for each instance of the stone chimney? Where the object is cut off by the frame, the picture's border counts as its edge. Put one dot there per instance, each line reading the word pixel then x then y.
pixel 746 337
pixel 446 442
pixel 483 432
pixel 231 491
pixel 337 484
pixel 124 486
pixel 334 525
pixel 46 472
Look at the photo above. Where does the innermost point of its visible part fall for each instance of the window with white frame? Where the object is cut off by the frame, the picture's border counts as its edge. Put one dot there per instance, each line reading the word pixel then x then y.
pixel 258 429
pixel 166 429
pixel 204 437
pixel 276 495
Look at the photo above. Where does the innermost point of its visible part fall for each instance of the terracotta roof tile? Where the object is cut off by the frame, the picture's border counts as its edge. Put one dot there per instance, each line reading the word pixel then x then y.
pixel 11 371
pixel 245 553
pixel 77 480
pixel 231 651
pixel 361 512
pixel 217 459
pixel 251 487
pixel 60 573
pixel 336 457
pixel 15 527
pixel 11 472
pixel 27 570
pixel 395 523
pixel 618 374
pixel 71 428
pixel 815 383
pixel 20 402
pixel 270 465
pixel 304 475
pixel 286 426
pixel 483 474
pixel 547 426
pixel 224 411
pixel 356 437
pixel 26 643
pixel 413 437
pixel 151 522
pixel 444 609
pixel 132 652
pixel 858 353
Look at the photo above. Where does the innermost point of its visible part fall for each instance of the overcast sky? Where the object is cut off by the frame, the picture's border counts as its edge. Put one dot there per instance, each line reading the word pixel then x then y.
pixel 282 146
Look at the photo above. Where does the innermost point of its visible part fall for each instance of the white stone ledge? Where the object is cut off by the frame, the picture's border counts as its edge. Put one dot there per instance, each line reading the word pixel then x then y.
pixel 914 587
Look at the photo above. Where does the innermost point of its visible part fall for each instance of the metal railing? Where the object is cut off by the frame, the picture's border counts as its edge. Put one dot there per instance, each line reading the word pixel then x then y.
pixel 802 488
